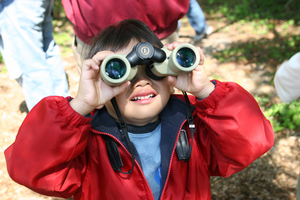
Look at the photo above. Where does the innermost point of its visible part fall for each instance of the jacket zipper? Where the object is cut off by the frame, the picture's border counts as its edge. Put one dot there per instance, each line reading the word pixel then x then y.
pixel 172 160
pixel 136 163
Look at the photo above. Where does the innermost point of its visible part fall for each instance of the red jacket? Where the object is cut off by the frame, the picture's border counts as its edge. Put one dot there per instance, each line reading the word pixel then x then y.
pixel 91 16
pixel 58 152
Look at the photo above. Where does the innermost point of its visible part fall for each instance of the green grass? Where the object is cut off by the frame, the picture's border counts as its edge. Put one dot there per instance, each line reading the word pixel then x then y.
pixel 261 17
pixel 235 10
pixel 3 70
pixel 284 115
pixel 64 40
pixel 261 51
pixel 1 58
pixel 62 31
pixel 281 115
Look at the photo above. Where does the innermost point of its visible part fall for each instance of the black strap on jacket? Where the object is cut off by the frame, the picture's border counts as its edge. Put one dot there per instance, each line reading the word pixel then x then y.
pixel 113 153
pixel 183 149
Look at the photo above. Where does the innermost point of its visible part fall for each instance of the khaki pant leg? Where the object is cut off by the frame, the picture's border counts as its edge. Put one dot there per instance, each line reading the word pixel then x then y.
pixel 171 38
pixel 79 48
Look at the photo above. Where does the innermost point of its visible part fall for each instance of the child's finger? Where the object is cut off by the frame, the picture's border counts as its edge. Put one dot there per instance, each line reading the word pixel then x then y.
pixel 100 56
pixel 172 46
pixel 90 63
pixel 202 57
pixel 171 80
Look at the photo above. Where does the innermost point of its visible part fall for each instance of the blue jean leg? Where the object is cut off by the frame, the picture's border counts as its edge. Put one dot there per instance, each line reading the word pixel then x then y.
pixel 29 51
pixel 196 17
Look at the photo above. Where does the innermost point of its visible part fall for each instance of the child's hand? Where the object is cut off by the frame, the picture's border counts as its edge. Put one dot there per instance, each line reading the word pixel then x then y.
pixel 93 93
pixel 196 82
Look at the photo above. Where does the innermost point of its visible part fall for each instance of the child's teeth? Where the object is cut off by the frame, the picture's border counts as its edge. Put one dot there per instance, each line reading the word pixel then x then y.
pixel 143 97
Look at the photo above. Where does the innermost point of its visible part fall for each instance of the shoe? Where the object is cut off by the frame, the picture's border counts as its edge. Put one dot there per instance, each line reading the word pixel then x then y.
pixel 207 31
pixel 199 37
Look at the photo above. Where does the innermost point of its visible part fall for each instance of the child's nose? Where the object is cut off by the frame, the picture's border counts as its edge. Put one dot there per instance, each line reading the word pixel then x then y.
pixel 141 78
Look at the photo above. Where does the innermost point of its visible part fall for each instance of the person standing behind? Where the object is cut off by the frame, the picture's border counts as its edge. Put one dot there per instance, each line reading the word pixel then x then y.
pixel 29 51
pixel 287 84
pixel 287 79
pixel 90 17
pixel 198 21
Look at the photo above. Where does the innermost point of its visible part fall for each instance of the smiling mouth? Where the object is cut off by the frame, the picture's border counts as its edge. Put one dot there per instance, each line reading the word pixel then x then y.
pixel 138 98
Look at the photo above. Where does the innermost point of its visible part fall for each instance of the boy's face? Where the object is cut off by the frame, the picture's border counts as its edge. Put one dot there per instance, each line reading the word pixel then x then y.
pixel 144 99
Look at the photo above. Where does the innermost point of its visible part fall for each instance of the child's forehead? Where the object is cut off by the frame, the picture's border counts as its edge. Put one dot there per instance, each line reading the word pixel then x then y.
pixel 128 48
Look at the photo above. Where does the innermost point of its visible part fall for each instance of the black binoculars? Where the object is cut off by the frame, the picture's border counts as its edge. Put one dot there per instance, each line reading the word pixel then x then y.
pixel 116 69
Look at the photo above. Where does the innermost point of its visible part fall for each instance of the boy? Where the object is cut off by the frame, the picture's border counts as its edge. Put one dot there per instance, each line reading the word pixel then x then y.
pixel 63 150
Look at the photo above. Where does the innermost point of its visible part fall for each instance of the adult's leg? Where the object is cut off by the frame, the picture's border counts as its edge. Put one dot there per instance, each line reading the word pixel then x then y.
pixel 79 48
pixel 7 32
pixel 196 17
pixel 171 38
pixel 52 53
pixel 24 48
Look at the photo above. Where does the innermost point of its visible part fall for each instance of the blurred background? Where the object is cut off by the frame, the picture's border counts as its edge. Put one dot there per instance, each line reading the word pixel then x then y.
pixel 250 39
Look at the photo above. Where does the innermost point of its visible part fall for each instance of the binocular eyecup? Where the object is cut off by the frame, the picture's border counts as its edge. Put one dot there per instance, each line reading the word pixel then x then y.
pixel 116 69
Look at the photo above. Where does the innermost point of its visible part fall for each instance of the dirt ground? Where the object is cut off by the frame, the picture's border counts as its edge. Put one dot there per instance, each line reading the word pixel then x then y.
pixel 273 176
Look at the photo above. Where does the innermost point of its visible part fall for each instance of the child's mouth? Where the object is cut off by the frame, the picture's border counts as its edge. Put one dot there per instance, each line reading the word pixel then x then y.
pixel 138 98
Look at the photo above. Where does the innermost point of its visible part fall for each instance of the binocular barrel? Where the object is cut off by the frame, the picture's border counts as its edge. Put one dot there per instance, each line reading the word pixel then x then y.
pixel 116 69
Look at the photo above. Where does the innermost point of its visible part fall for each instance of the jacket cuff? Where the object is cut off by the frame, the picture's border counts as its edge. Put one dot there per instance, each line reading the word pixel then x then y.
pixel 214 97
pixel 73 116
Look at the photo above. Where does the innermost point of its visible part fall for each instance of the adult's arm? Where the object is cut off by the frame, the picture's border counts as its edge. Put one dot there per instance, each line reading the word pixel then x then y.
pixel 287 79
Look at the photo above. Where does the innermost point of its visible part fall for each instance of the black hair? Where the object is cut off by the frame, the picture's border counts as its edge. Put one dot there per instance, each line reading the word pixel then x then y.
pixel 117 37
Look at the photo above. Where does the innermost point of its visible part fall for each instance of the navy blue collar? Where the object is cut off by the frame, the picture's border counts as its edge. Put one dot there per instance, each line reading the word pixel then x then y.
pixel 171 117
pixel 143 129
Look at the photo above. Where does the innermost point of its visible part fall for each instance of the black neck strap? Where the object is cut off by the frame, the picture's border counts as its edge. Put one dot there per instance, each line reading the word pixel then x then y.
pixel 124 134
pixel 191 125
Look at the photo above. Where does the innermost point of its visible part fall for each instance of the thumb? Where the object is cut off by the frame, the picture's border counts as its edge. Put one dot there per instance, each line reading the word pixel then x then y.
pixel 171 80
pixel 119 89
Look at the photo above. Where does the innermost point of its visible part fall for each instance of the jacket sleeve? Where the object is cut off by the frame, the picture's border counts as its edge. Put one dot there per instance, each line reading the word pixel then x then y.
pixel 48 155
pixel 233 131
pixel 287 79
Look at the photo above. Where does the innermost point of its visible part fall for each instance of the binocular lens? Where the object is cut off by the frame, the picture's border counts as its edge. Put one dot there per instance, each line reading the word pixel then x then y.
pixel 186 57
pixel 115 68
